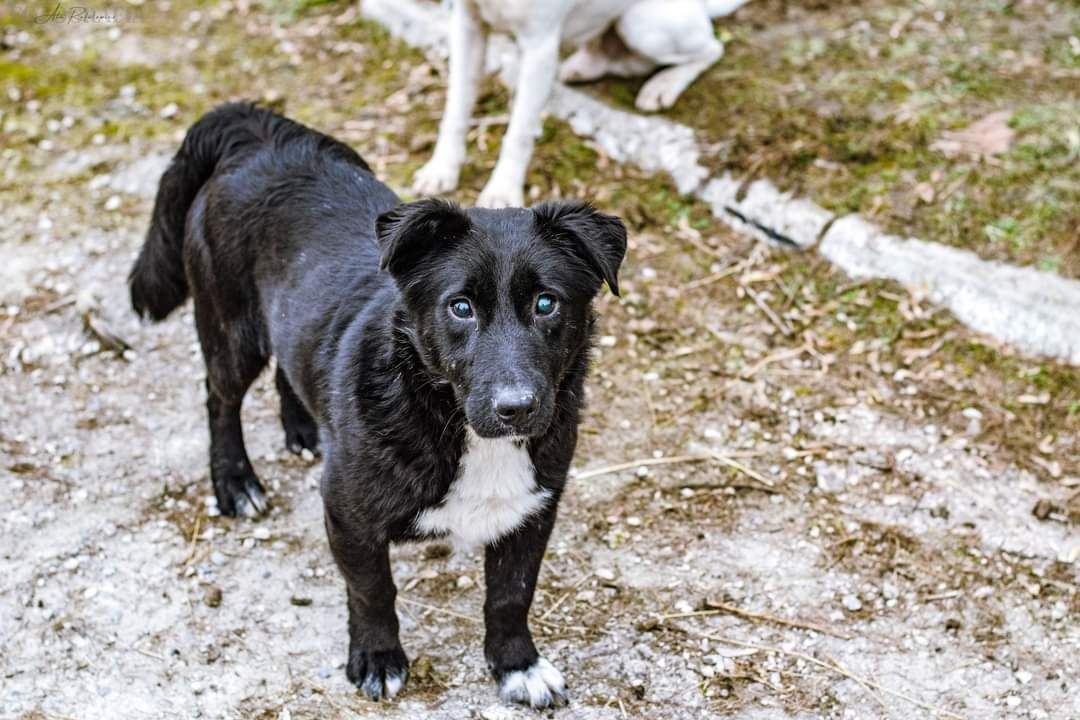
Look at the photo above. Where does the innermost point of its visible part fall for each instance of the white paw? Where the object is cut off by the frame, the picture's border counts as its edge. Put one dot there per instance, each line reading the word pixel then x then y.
pixel 582 66
pixel 539 686
pixel 659 93
pixel 499 195
pixel 436 177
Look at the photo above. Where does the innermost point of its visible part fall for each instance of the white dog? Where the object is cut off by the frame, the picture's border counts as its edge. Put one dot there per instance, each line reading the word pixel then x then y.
pixel 645 35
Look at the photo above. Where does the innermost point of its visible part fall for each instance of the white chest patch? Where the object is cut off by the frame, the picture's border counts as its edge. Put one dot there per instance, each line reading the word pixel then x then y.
pixel 494 492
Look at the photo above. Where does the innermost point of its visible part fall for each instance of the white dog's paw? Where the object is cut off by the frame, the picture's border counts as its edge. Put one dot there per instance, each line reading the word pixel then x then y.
pixel 436 177
pixel 583 66
pixel 500 195
pixel 540 686
pixel 660 92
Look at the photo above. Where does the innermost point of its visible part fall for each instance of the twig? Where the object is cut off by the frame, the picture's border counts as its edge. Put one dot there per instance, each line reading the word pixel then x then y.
pixel 671 460
pixel 831 666
pixel 565 595
pixel 753 475
pixel 149 654
pixel 710 279
pixel 769 312
pixel 442 611
pixel 775 357
pixel 691 238
pixel 479 621
pixel 194 541
pixel 720 607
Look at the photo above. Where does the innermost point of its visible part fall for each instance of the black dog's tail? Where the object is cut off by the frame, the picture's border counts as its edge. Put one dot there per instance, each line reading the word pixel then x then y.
pixel 157 281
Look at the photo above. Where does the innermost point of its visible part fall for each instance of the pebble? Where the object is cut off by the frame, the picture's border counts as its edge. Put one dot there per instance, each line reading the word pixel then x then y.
pixel 169 110
pixel 497 712
pixel 852 603
pixel 217 558
pixel 307 455
pixel 300 601
pixel 1023 677
pixel 212 596
pixel 113 203
pixel 261 533
pixel 464 582
pixel 605 574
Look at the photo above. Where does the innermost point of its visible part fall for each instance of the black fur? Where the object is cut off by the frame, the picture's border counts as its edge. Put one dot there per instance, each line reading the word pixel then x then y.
pixel 291 247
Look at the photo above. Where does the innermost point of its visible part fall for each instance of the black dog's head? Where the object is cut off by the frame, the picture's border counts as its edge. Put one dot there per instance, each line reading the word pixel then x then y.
pixel 500 300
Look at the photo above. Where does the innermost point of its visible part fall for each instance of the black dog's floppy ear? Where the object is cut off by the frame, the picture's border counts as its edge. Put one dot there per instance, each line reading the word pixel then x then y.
pixel 410 231
pixel 598 239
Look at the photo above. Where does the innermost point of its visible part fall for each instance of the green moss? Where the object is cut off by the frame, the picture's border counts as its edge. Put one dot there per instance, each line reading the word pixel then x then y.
pixel 834 106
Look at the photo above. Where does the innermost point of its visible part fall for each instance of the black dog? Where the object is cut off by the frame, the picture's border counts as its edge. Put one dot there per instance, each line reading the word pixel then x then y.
pixel 438 356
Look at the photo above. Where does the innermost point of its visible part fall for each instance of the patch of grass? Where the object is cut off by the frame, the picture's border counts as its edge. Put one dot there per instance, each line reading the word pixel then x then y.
pixel 844 105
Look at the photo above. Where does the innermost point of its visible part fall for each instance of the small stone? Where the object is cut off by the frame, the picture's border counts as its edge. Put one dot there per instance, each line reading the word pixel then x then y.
pixel 605 574
pixel 169 110
pixel 633 521
pixel 1043 509
pixel 217 558
pixel 112 203
pixel 1023 677
pixel 261 533
pixel 212 596
pixel 464 582
pixel 852 603
pixel 300 601
pixel 307 455
pixel 1013 701
pixel 497 712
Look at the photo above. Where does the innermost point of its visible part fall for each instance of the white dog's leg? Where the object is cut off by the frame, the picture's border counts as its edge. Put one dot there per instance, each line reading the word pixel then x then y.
pixel 604 55
pixel 536 76
pixel 589 62
pixel 468 42
pixel 670 32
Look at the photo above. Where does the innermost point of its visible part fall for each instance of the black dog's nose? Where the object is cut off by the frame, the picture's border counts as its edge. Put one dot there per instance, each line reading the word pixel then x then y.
pixel 514 405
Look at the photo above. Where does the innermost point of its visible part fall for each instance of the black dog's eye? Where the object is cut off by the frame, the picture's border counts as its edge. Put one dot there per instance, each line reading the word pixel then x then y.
pixel 545 304
pixel 461 308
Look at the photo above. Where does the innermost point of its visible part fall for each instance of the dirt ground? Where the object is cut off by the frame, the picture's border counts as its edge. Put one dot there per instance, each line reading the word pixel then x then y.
pixel 797 496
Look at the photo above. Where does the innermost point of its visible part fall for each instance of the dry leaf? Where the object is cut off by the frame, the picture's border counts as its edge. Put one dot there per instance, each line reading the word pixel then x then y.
pixel 981 140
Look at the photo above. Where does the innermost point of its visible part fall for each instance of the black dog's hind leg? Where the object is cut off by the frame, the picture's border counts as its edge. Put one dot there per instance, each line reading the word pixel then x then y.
pixel 232 364
pixel 511 566
pixel 377 663
pixel 301 430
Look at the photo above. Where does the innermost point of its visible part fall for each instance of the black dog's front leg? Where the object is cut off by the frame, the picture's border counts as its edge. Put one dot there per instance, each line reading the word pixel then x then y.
pixel 511 566
pixel 377 663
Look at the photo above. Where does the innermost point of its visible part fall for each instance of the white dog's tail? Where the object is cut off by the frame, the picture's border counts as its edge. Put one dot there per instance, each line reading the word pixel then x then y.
pixel 720 8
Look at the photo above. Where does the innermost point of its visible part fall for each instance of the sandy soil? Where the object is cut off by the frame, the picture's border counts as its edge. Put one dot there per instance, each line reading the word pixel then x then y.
pixel 870 544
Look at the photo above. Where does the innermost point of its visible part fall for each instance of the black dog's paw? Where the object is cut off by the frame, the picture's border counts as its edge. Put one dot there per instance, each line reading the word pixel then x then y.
pixel 301 435
pixel 380 673
pixel 539 685
pixel 239 492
